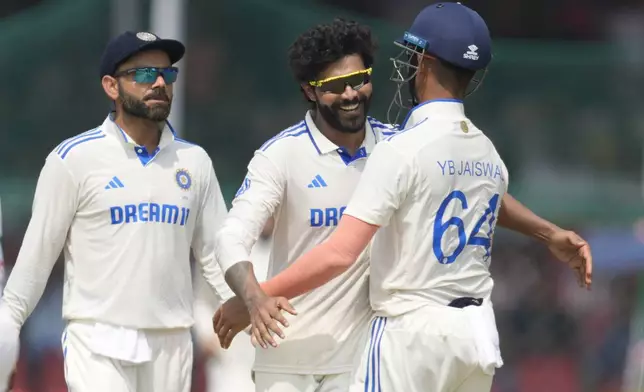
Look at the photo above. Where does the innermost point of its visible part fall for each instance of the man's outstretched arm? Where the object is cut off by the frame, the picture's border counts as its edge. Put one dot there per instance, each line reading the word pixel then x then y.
pixel 325 261
pixel 516 217
pixel 256 201
pixel 565 245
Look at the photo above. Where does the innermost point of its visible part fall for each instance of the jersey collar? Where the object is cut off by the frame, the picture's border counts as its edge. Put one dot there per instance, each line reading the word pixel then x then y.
pixel 111 128
pixel 442 108
pixel 325 146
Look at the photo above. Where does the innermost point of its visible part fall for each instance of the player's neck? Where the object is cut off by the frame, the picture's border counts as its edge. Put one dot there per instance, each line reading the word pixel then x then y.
pixel 144 132
pixel 437 91
pixel 349 141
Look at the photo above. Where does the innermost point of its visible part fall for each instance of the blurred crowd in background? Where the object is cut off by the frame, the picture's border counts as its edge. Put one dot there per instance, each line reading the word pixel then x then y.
pixel 562 101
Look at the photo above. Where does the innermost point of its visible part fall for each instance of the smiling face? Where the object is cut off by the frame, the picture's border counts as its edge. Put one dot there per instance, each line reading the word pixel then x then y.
pixel 344 96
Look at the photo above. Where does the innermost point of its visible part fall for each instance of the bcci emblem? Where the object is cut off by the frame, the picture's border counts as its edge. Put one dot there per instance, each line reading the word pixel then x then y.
pixel 184 181
pixel 145 36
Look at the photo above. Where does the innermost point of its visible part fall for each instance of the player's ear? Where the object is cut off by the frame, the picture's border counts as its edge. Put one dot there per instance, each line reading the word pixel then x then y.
pixel 425 64
pixel 309 92
pixel 110 86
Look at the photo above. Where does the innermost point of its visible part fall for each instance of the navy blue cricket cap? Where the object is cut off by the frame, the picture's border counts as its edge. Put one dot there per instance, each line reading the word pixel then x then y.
pixel 126 45
pixel 452 32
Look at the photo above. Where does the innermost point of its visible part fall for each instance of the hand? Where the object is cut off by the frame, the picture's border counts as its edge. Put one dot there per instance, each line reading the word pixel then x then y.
pixel 573 250
pixel 231 318
pixel 264 310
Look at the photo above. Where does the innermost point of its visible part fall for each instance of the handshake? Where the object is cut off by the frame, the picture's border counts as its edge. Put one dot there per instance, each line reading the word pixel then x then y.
pixel 234 316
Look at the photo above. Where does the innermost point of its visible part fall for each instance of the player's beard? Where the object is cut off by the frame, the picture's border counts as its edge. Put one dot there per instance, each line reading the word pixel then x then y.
pixel 137 107
pixel 345 122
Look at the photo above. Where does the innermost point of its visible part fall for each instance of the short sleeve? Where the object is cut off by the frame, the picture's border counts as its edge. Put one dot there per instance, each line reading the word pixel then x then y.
pixel 383 186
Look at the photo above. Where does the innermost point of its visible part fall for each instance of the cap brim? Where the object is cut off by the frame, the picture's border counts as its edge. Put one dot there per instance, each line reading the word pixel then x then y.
pixel 173 48
pixel 410 39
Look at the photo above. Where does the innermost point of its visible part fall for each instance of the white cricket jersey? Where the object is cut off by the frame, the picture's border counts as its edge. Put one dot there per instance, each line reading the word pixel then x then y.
pixel 435 189
pixel 305 181
pixel 126 220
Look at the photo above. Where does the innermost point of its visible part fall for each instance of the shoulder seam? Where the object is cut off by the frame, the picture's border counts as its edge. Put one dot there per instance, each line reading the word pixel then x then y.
pixel 64 148
pixel 379 124
pixel 178 139
pixel 294 131
pixel 67 141
pixel 400 132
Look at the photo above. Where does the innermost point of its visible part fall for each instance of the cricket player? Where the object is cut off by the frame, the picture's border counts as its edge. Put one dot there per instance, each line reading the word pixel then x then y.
pixel 303 177
pixel 437 189
pixel 309 221
pixel 125 202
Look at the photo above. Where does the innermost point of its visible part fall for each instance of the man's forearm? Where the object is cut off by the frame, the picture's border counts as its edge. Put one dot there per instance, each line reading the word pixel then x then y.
pixel 241 279
pixel 516 217
pixel 312 270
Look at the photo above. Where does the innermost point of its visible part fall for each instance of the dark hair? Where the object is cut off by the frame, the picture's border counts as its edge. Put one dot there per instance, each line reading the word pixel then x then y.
pixel 324 44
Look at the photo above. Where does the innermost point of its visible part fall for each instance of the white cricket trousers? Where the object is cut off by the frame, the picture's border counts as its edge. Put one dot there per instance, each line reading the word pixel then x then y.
pixel 231 369
pixel 435 348
pixel 169 370
pixel 279 382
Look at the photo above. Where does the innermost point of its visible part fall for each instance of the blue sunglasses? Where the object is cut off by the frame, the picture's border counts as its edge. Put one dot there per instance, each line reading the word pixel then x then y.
pixel 149 75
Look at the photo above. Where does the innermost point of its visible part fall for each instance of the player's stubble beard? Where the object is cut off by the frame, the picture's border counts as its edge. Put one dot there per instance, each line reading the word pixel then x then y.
pixel 333 115
pixel 137 107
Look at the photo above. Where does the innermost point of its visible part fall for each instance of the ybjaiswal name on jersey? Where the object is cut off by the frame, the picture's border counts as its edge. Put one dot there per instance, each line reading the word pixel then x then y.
pixel 471 168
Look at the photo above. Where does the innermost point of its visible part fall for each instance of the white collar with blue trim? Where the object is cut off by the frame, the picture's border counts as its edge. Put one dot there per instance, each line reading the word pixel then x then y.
pixel 325 146
pixel 438 108
pixel 111 128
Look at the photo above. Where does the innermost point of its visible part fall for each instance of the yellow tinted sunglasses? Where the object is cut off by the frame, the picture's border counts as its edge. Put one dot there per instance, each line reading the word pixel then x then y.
pixel 337 84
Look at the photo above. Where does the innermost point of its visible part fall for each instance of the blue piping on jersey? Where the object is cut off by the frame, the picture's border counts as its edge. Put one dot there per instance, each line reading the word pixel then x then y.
pixel 80 141
pixel 373 123
pixel 171 128
pixel 313 140
pixel 348 158
pixel 176 139
pixel 172 131
pixel 144 156
pixel 453 100
pixel 302 127
pixel 122 133
pixel 282 133
pixel 405 130
pixel 72 139
pixel 111 117
pixel 386 129
pixel 294 131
